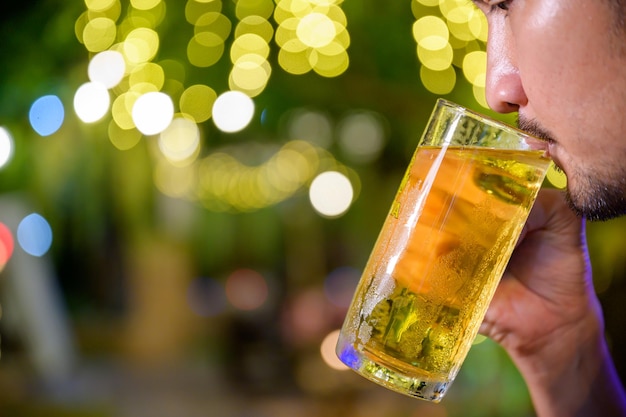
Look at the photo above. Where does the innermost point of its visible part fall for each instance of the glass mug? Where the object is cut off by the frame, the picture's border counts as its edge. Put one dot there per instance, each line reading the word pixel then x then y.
pixel 442 250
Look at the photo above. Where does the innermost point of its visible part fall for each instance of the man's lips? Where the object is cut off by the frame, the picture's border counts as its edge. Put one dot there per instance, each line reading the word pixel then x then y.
pixel 553 150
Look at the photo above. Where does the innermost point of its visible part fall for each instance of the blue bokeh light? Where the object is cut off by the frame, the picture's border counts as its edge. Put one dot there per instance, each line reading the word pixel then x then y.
pixel 46 115
pixel 34 235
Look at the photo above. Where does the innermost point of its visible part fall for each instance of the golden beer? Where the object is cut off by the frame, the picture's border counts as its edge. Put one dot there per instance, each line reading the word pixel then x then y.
pixel 436 264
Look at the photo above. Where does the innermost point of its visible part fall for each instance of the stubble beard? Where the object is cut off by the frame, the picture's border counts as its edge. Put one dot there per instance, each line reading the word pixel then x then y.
pixel 590 195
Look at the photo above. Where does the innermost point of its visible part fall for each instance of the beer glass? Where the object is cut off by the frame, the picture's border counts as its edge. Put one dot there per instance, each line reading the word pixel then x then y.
pixel 441 252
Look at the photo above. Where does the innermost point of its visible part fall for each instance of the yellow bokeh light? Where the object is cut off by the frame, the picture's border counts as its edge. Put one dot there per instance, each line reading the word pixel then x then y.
pixel 141 45
pixel 436 60
pixel 250 74
pixel 194 9
pixel 262 8
pixel 214 22
pixel 287 32
pixel 448 6
pixel 144 4
pixel 99 5
pixel 122 108
pixel 462 48
pixel 478 26
pixel 79 26
pixel 556 177
pixel 458 22
pixel 205 49
pixel 297 8
pixel 180 141
pixel 329 65
pixel 99 34
pixel 475 66
pixel 225 184
pixel 114 12
pixel 432 28
pixel 294 61
pixel 148 18
pixel 143 88
pixel 428 3
pixel 249 44
pixel 479 95
pixel 316 30
pixel 256 25
pixel 174 181
pixel 149 73
pixel 123 139
pixel 438 82
pixel 334 13
pixel 197 101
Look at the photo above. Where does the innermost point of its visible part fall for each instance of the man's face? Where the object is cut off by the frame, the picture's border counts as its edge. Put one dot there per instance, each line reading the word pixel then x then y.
pixel 562 65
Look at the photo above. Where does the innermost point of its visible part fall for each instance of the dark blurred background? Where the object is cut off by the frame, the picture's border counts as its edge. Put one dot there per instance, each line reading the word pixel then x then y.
pixel 192 268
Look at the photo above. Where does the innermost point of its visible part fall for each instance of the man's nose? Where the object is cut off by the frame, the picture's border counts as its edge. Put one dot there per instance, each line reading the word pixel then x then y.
pixel 504 90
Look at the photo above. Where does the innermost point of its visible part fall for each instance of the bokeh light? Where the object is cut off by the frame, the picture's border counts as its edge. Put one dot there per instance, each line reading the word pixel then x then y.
pixel 91 102
pixel 123 139
pixel 310 125
pixel 327 350
pixel 180 140
pixel 6 147
pixel 6 245
pixel 247 289
pixel 362 136
pixel 449 34
pixel 331 194
pixel 47 115
pixel 226 184
pixel 34 235
pixel 556 177
pixel 141 45
pixel 153 112
pixel 206 297
pixel 232 111
pixel 306 317
pixel 99 34
pixel 340 285
pixel 107 68
pixel 197 102
pixel 312 36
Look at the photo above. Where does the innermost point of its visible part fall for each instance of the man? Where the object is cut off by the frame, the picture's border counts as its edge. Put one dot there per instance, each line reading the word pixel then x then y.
pixel 561 64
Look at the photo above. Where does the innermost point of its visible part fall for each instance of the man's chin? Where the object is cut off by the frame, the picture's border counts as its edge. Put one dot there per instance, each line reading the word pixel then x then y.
pixel 595 209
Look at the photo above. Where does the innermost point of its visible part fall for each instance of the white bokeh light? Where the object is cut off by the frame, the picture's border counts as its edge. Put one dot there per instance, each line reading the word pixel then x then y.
pixel 331 193
pixel 6 147
pixel 91 102
pixel 232 111
pixel 362 136
pixel 153 112
pixel 107 68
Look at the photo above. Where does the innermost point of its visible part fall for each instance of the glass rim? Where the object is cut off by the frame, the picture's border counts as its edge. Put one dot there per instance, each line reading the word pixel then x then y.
pixel 486 119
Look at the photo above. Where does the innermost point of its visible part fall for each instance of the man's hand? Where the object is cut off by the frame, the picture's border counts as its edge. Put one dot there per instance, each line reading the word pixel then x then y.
pixel 547 317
